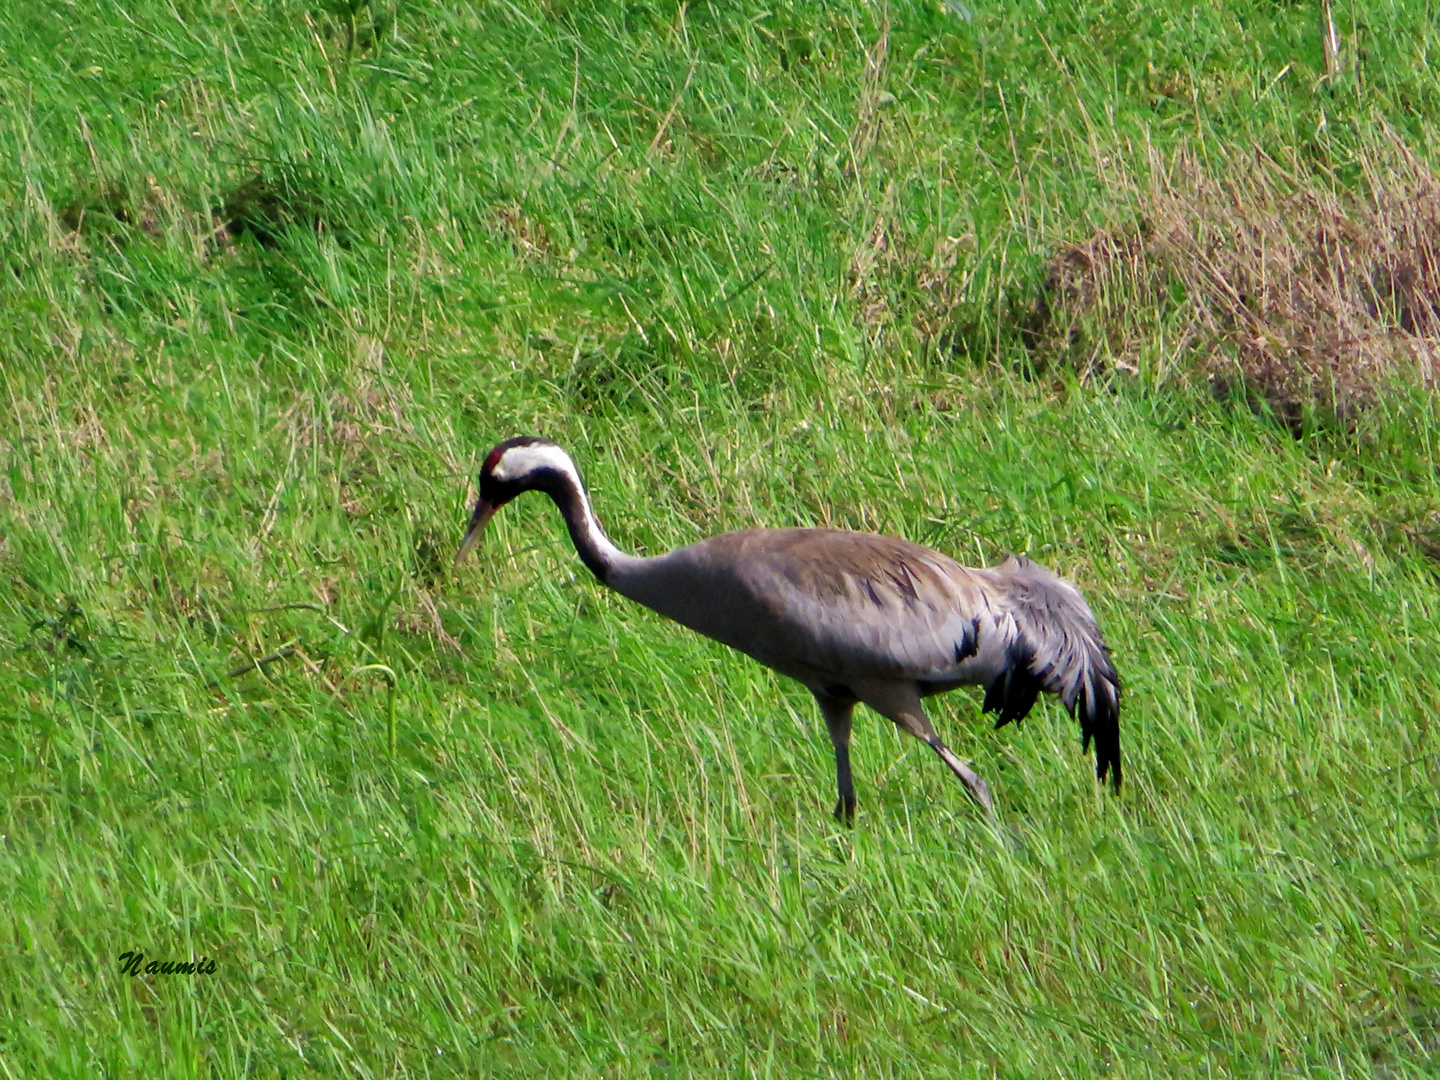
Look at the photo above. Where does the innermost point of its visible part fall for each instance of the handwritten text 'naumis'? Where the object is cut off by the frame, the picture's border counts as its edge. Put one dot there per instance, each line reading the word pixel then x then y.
pixel 133 963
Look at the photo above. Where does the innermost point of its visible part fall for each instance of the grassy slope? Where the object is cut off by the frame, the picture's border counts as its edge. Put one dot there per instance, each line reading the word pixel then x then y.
pixel 601 841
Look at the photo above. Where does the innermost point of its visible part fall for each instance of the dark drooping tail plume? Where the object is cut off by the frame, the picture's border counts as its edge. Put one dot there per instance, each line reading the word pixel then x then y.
pixel 1056 646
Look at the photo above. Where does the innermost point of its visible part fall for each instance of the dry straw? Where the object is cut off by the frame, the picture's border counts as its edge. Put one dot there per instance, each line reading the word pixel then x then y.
pixel 1280 282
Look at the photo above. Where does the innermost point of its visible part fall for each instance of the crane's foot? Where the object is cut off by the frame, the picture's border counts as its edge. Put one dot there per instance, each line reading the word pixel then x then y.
pixel 978 789
pixel 845 811
pixel 981 793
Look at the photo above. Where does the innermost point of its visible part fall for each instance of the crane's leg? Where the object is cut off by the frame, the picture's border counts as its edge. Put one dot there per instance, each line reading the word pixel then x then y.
pixel 837 712
pixel 901 704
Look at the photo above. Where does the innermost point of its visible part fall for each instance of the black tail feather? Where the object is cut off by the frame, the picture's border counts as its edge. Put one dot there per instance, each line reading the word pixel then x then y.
pixel 1012 693
pixel 1098 710
pixel 1096 704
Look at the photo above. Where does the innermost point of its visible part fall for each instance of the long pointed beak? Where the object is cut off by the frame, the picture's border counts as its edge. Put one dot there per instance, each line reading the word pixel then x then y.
pixel 484 511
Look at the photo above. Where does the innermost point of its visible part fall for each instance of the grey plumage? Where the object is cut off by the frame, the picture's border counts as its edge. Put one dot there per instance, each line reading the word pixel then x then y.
pixel 856 617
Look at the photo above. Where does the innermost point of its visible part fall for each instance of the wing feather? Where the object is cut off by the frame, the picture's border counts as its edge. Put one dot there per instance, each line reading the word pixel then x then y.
pixel 865 605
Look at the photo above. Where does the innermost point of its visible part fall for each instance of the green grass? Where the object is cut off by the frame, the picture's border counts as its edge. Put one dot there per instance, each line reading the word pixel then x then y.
pixel 276 277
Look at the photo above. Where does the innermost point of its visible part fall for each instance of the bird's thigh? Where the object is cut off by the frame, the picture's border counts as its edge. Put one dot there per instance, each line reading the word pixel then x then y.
pixel 900 704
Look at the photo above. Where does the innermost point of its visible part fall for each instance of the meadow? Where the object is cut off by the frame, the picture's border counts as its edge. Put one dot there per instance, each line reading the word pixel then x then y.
pixel 276 275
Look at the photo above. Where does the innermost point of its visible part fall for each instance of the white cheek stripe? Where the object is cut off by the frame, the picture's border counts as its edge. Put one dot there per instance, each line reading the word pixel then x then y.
pixel 520 461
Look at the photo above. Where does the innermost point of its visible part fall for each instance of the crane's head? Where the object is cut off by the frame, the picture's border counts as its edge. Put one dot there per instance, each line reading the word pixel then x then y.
pixel 512 468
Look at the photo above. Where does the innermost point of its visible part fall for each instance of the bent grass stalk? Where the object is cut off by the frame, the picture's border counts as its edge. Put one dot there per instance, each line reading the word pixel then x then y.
pixel 390 680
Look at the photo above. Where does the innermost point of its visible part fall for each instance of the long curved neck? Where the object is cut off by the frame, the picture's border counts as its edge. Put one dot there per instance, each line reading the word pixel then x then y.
pixel 593 546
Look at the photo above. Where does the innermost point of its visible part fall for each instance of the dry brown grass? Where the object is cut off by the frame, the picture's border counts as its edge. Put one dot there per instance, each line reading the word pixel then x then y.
pixel 873 97
pixel 875 262
pixel 526 236
pixel 1279 281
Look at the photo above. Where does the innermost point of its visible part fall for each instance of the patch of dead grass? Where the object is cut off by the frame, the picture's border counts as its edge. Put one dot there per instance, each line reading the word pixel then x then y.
pixel 874 264
pixel 873 97
pixel 527 237
pixel 425 621
pixel 1280 282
